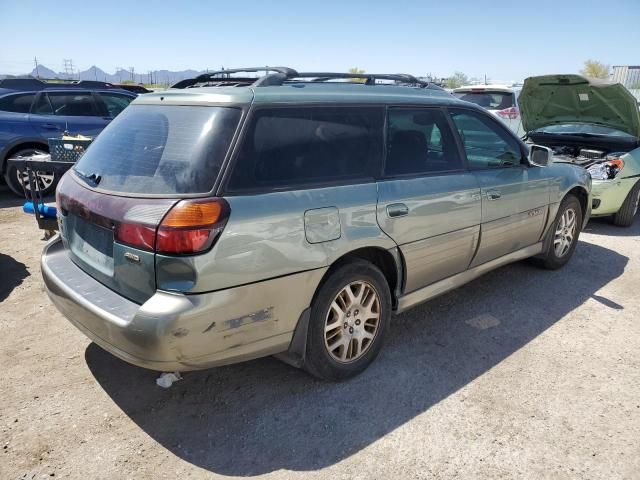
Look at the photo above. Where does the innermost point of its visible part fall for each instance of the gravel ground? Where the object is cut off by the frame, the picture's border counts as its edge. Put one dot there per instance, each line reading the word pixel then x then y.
pixel 522 373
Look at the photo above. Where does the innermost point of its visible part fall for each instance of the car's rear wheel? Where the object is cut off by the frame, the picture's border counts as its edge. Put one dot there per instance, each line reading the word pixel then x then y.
pixel 624 217
pixel 349 319
pixel 562 238
pixel 18 181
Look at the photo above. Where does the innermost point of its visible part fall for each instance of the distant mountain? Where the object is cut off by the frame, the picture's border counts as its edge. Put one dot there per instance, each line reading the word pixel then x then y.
pixel 96 73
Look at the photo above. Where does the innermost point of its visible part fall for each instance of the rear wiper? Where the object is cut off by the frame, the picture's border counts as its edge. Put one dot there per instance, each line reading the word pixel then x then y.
pixel 93 177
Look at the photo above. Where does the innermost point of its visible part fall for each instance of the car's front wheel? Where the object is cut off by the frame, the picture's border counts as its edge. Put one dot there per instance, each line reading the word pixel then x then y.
pixel 562 238
pixel 18 181
pixel 349 318
pixel 624 217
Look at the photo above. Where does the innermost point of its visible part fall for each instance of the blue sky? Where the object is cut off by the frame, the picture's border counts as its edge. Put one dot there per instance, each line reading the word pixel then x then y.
pixel 504 40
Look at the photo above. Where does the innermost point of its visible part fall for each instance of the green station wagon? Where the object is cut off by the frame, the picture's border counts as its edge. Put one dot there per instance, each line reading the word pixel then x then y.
pixel 292 215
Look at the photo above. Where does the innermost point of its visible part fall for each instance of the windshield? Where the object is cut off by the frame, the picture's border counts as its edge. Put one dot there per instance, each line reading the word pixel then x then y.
pixel 488 99
pixel 161 149
pixel 582 129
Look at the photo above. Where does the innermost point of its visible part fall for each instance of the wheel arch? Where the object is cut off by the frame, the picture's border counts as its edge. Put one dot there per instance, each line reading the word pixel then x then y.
pixel 390 264
pixel 583 197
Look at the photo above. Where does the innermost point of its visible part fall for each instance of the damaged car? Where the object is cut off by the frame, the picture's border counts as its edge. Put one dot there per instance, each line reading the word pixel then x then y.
pixel 293 215
pixel 594 124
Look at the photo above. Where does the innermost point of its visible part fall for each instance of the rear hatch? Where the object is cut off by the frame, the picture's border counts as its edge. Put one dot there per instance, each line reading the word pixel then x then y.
pixel 143 187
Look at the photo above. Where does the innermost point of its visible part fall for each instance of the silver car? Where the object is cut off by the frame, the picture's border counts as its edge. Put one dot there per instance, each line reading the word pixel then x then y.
pixel 293 215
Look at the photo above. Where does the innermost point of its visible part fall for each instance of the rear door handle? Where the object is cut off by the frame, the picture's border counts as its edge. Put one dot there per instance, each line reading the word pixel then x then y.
pixel 50 126
pixel 493 194
pixel 397 210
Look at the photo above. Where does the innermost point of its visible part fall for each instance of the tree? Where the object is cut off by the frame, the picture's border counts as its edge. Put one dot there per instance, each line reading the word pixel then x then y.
pixel 635 86
pixel 595 69
pixel 357 71
pixel 456 80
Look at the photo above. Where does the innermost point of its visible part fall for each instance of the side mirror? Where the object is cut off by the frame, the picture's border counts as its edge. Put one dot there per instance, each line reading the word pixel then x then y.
pixel 540 156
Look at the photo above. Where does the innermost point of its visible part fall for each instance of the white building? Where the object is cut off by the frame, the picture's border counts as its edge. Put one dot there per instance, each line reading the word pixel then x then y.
pixel 628 75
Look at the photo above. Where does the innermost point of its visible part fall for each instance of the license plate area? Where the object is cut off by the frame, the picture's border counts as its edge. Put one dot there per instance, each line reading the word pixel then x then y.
pixel 90 243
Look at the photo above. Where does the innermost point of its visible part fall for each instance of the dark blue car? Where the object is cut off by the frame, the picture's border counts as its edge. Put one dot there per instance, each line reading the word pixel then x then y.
pixel 32 111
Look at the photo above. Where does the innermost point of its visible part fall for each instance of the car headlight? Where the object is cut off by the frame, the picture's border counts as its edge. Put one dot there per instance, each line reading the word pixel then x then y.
pixel 606 170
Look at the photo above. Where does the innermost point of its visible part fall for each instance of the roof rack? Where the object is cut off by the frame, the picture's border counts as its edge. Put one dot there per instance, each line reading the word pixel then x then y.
pixel 224 78
pixel 282 75
pixel 36 84
pixel 370 78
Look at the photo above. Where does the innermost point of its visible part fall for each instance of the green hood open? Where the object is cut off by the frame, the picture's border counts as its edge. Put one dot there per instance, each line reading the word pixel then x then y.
pixel 557 99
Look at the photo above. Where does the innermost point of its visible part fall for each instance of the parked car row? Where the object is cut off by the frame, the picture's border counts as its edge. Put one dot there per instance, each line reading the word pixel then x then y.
pixel 294 214
pixel 32 111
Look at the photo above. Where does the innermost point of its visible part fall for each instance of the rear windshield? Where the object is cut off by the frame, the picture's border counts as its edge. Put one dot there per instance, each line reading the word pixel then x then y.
pixel 161 149
pixel 487 99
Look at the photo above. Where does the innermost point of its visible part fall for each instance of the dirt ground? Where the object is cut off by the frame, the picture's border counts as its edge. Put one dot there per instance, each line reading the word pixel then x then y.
pixel 522 373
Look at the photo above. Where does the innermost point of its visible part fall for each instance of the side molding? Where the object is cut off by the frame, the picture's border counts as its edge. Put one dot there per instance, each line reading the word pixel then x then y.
pixel 443 286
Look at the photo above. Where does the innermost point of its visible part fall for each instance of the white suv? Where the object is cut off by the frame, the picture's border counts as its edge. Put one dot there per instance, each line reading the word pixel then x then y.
pixel 500 100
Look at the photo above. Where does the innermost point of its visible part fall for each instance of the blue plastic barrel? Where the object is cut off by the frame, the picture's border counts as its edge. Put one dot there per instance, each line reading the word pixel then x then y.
pixel 44 210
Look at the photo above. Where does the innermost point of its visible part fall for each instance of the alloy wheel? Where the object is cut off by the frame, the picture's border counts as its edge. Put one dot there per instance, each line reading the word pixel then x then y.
pixel 352 322
pixel 565 232
pixel 43 179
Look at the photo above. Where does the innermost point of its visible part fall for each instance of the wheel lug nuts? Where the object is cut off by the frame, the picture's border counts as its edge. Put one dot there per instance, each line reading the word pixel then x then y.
pixel 356 312
pixel 345 325
pixel 357 322
pixel 348 314
pixel 350 329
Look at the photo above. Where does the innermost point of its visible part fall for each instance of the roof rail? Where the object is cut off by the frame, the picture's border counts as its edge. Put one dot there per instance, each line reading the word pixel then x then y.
pixel 370 78
pixel 281 75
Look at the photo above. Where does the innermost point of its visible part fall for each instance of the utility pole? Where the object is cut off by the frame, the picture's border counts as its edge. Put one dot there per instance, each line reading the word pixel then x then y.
pixel 35 59
pixel 132 74
pixel 68 67
pixel 95 73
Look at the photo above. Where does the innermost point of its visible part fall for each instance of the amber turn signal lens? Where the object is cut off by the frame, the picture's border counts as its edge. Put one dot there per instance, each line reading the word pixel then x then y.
pixel 189 214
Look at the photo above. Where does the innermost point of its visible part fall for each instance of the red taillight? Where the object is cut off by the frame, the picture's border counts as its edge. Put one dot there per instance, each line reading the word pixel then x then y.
pixel 135 235
pixel 191 226
pixel 511 113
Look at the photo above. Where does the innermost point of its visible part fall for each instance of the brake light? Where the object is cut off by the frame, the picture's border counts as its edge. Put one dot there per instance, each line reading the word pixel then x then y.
pixel 191 226
pixel 511 113
pixel 135 235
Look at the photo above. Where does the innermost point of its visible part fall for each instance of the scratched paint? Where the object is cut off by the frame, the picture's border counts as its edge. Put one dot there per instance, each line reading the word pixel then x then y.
pixel 259 316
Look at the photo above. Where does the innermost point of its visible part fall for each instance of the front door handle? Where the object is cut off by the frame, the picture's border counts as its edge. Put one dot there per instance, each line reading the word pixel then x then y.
pixel 395 210
pixel 50 126
pixel 493 194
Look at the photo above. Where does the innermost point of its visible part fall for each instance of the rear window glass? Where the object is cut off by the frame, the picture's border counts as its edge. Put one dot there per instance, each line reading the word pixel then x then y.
pixel 289 147
pixel 20 103
pixel 488 99
pixel 161 149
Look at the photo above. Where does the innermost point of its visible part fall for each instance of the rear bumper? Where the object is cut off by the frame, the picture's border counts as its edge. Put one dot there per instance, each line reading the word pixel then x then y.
pixel 176 332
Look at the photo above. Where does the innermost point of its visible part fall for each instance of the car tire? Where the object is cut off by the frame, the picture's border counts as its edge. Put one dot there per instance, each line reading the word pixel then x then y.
pixel 624 217
pixel 48 180
pixel 349 319
pixel 562 238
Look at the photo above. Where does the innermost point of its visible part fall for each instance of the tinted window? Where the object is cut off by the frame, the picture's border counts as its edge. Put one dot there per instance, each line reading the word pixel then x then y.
pixel 488 99
pixel 420 141
pixel 159 149
pixel 17 103
pixel 485 142
pixel 114 103
pixel 43 106
pixel 73 104
pixel 296 146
